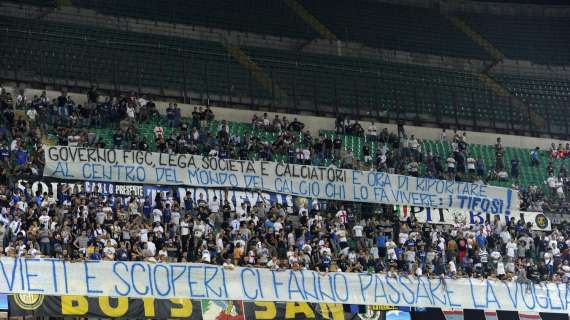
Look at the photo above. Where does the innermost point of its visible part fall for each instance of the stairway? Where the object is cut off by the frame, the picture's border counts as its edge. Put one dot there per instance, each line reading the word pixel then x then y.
pixel 321 29
pixel 257 72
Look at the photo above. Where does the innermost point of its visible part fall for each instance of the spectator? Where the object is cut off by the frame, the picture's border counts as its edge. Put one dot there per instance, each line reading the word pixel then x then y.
pixel 331 236
pixel 534 157
pixel 514 168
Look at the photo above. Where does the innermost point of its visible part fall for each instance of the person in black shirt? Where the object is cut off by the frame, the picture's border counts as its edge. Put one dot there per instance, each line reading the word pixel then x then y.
pixel 337 144
pixel 118 139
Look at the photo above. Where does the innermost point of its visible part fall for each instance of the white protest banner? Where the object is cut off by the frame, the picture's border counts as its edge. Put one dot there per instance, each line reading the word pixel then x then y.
pixel 538 220
pixel 201 281
pixel 136 166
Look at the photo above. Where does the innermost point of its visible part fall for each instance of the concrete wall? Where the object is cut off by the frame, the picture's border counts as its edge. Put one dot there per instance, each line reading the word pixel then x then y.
pixel 314 124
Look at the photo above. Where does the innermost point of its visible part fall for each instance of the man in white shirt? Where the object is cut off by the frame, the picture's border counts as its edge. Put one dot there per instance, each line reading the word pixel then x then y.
pixel 175 219
pixel 358 234
pixel 157 215
pixel 451 164
pixel 44 218
pixel 214 205
pixel 151 247
pixel 32 114
pixel 511 249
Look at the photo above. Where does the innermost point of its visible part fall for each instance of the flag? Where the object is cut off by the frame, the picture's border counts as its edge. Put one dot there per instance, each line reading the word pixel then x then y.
pixel 491 315
pixel 529 316
pixel 453 314
pixel 222 310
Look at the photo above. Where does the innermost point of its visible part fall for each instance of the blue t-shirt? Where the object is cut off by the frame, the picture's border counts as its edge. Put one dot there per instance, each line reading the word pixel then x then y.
pixel 381 241
pixel 21 157
pixel 147 209
pixel 481 241
pixel 4 153
pixel 326 261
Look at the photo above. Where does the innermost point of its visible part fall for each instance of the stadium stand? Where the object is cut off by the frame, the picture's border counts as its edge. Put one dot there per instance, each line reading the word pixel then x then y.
pixel 417 67
pixel 266 17
pixel 394 27
pixel 541 40
pixel 134 60
pixel 140 60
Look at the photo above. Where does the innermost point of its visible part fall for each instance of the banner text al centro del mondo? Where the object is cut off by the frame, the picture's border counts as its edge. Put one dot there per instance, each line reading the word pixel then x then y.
pixel 201 281
pixel 143 167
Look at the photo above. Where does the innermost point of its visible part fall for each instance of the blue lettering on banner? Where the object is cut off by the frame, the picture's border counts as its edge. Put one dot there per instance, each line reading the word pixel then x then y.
pixel 89 278
pixel 313 294
pixel 379 286
pixel 294 287
pixel 136 279
pixel 166 275
pixel 210 274
pixel 140 267
pixel 122 292
pixel 246 288
pixel 62 170
pixel 340 286
pixel 396 291
pixel 9 279
pixel 408 289
pixel 31 275
pixel 363 286
pixel 123 166
pixel 192 283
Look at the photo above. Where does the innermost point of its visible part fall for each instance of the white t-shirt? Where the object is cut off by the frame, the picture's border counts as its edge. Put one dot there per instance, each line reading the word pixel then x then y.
pixel 32 114
pixel 214 206
pixel 511 248
pixel 403 237
pixel 175 217
pixel 470 163
pixel 199 230
pixel 151 247
pixel 206 255
pixel 184 228
pixel 358 230
pixel 157 215
pixel 548 258
pixel 341 234
pixel 500 268
pixel 44 219
pixel 413 144
pixel 235 225
pixel 452 267
pixel 109 251
pixel 277 226
pixel 131 112
pixel 372 131
pixel 144 235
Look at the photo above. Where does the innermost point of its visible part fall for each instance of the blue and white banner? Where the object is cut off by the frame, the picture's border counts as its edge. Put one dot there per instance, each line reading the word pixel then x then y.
pixel 143 167
pixel 538 220
pixel 201 281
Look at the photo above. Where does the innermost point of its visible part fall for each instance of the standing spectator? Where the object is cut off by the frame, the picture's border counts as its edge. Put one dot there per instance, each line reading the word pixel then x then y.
pixel 499 156
pixel 534 157
pixel 515 168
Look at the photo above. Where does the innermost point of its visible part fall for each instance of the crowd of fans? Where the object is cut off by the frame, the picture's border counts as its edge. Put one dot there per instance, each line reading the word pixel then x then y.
pixel 325 236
